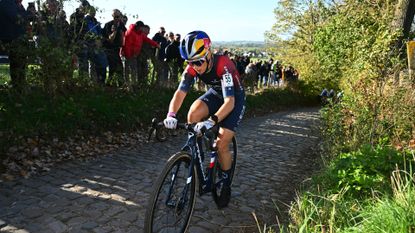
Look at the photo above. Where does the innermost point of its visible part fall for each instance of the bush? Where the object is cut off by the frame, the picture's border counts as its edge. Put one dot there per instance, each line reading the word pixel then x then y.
pixel 364 171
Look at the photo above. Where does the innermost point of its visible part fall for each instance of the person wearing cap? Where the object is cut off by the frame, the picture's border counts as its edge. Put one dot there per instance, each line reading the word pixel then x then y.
pixel 173 58
pixel 133 42
pixel 113 38
pixel 161 65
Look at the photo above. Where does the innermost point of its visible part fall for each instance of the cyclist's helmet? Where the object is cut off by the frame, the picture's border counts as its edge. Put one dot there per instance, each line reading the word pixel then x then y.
pixel 195 46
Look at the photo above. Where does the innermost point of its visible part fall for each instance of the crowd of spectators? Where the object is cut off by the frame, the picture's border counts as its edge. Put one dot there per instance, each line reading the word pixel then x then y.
pixel 262 74
pixel 112 54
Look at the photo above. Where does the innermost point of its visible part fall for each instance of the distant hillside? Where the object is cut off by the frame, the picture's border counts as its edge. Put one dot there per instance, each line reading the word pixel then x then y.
pixel 258 44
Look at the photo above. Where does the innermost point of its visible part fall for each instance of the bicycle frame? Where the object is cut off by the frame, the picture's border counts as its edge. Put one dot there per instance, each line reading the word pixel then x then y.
pixel 174 193
pixel 205 178
pixel 195 148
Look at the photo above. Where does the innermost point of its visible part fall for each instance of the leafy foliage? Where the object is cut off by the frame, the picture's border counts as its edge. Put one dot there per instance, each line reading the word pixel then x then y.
pixel 366 170
pixel 350 46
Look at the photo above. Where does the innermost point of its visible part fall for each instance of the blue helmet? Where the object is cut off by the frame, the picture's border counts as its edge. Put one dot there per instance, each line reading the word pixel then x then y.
pixel 195 46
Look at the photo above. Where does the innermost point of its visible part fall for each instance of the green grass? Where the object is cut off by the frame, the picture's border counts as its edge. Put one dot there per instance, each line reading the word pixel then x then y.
pixel 391 214
pixel 329 207
pixel 93 111
pixel 4 74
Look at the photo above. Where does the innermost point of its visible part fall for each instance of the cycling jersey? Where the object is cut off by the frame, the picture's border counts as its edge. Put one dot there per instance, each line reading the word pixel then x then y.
pixel 223 77
pixel 224 81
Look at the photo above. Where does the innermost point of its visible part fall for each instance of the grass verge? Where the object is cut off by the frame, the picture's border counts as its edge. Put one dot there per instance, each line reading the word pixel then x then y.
pixel 93 111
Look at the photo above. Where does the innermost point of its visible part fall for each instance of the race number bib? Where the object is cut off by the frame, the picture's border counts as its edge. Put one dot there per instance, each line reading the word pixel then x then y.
pixel 227 80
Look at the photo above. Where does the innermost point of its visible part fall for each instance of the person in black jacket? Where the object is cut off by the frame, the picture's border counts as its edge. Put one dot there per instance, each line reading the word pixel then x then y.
pixel 113 36
pixel 12 39
pixel 174 59
pixel 161 65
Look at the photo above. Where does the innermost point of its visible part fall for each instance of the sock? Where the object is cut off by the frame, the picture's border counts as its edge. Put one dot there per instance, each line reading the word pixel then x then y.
pixel 226 175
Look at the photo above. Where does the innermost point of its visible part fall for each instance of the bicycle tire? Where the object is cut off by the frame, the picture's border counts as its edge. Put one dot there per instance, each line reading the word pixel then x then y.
pixel 152 223
pixel 216 171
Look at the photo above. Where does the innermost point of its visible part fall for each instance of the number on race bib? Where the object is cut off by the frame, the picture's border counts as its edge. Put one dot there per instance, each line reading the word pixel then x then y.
pixel 227 80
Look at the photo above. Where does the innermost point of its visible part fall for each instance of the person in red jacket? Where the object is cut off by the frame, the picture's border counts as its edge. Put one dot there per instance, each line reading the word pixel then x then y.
pixel 133 42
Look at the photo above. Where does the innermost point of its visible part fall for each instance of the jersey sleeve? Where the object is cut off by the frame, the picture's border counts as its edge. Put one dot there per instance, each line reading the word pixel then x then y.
pixel 188 78
pixel 228 88
pixel 229 76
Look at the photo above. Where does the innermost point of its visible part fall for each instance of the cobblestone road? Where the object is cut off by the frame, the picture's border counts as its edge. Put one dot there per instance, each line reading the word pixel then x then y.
pixel 109 194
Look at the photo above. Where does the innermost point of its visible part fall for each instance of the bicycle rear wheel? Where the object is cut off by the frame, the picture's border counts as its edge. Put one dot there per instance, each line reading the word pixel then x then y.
pixel 217 172
pixel 172 201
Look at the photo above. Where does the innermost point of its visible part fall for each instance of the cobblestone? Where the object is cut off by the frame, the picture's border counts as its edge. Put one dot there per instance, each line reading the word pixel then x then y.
pixel 110 193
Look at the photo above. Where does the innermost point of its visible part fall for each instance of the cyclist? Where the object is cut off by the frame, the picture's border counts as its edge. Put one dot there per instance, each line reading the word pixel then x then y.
pixel 223 103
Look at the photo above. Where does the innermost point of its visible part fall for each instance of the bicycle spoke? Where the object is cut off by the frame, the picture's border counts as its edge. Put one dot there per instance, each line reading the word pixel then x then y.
pixel 175 199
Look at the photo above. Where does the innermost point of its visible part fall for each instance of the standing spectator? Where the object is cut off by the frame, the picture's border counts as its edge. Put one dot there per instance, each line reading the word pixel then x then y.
pixel 32 18
pixel 52 41
pixel 162 68
pixel 174 59
pixel 277 72
pixel 251 77
pixel 134 39
pixel 77 31
pixel 113 35
pixel 288 74
pixel 263 74
pixel 147 53
pixel 13 27
pixel 96 55
pixel 270 75
pixel 240 66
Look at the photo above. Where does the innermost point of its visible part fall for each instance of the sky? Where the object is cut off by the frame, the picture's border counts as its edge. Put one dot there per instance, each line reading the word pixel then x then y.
pixel 222 20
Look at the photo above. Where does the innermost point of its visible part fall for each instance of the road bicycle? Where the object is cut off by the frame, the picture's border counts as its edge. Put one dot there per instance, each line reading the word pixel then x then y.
pixel 172 201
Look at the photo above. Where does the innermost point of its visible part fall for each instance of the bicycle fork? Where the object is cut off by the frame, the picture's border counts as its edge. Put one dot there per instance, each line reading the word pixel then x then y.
pixel 182 199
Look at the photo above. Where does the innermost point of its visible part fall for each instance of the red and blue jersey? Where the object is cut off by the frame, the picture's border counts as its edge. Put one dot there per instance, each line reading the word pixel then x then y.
pixel 223 77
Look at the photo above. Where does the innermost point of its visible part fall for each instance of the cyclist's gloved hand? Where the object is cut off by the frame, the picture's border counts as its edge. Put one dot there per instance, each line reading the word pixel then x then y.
pixel 170 122
pixel 207 124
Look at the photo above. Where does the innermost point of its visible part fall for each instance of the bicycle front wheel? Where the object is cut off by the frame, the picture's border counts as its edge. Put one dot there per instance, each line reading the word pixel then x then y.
pixel 171 204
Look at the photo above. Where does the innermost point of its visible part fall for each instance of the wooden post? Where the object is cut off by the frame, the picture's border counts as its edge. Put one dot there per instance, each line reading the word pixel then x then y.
pixel 411 60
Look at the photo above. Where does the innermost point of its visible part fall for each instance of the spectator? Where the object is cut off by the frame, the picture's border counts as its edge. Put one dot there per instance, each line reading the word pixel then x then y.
pixel 53 26
pixel 161 66
pixel 113 37
pixel 288 74
pixel 32 18
pixel 134 39
pixel 240 66
pixel 263 74
pixel 174 59
pixel 251 77
pixel 13 18
pixel 277 72
pixel 147 53
pixel 95 52
pixel 77 27
pixel 77 32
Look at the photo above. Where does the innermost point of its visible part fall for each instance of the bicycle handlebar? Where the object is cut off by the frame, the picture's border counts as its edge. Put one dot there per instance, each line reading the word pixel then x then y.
pixel 156 125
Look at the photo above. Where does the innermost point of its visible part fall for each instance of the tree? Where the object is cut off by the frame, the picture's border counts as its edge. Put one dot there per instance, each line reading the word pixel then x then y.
pixel 404 16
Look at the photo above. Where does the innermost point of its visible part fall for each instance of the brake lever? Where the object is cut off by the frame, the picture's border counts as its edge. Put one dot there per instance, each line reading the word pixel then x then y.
pixel 152 129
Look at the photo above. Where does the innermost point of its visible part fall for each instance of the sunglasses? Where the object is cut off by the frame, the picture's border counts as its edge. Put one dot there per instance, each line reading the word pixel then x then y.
pixel 197 62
